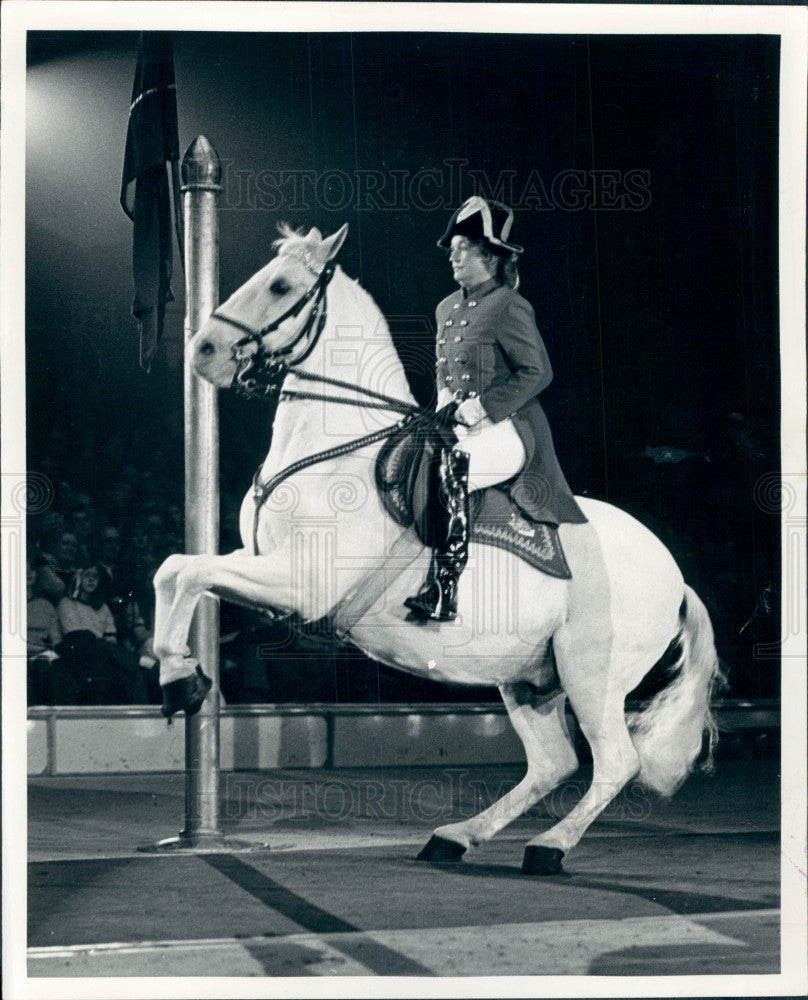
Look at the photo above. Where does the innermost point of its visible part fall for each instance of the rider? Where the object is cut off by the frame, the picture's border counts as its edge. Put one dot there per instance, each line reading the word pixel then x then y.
pixel 491 365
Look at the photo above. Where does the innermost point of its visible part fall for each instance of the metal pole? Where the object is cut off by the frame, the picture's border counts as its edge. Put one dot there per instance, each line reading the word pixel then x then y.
pixel 201 176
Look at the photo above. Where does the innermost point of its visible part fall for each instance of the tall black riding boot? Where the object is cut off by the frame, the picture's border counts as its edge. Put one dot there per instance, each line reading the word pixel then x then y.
pixel 437 599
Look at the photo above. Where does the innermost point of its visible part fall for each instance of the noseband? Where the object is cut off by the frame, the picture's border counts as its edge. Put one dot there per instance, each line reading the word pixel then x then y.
pixel 262 372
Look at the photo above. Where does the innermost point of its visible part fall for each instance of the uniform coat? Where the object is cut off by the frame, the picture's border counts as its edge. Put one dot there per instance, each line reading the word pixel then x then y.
pixel 488 347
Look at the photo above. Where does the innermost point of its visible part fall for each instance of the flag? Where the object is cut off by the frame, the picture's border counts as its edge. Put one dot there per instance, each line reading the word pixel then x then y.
pixel 150 178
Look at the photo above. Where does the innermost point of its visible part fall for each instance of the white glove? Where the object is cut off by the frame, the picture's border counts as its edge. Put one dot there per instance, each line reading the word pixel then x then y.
pixel 470 412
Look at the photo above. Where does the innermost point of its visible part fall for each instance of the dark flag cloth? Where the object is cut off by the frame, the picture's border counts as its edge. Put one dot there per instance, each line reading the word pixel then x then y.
pixel 149 171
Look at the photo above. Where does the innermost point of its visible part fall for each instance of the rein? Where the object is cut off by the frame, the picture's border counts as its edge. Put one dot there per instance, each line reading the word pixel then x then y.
pixel 263 491
pixel 263 372
pixel 388 402
pixel 410 411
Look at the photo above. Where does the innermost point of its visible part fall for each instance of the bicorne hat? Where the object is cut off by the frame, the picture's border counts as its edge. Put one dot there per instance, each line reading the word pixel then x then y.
pixel 481 219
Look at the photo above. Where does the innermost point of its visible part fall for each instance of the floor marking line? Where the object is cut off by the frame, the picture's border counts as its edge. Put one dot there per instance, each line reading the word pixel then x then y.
pixel 134 947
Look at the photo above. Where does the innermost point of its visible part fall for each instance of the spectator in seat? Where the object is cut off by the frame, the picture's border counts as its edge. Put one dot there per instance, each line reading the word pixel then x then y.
pixel 117 590
pixel 80 523
pixel 57 564
pixel 95 667
pixel 114 586
pixel 140 563
pixel 43 636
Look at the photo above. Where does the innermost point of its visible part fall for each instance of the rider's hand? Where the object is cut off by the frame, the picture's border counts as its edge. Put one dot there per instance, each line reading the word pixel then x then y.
pixel 470 412
pixel 445 397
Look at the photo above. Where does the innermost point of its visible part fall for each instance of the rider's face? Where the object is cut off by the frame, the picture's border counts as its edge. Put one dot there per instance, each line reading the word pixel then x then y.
pixel 471 265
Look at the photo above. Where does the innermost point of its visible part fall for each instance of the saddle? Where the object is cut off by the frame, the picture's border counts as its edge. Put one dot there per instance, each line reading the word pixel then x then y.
pixel 407 481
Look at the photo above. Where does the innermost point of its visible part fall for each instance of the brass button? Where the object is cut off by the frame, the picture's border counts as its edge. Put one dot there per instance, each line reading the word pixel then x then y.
pixel 457 339
pixel 472 394
pixel 450 378
pixel 442 341
pixel 458 394
pixel 466 377
pixel 462 359
pixel 472 303
pixel 464 322
pixel 448 322
pixel 456 305
pixel 443 361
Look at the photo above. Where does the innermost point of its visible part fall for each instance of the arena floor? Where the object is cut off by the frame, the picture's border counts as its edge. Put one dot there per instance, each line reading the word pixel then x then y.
pixel 325 882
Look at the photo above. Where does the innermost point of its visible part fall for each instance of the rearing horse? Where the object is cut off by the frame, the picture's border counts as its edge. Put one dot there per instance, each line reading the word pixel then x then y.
pixel 317 538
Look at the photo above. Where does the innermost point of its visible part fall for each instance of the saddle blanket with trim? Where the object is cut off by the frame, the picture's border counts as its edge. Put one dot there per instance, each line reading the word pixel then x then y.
pixel 407 481
pixel 496 520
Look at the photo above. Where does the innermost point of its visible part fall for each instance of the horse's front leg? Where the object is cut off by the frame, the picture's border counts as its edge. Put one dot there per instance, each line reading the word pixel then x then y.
pixel 173 665
pixel 179 583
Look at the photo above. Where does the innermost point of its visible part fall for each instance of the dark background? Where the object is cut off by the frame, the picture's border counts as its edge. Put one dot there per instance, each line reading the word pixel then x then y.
pixel 656 298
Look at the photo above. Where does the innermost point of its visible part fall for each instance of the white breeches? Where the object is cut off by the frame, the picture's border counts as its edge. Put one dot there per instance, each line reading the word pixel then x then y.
pixel 495 451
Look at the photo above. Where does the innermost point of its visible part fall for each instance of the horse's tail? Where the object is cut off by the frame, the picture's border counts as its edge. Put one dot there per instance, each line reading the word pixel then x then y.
pixel 669 732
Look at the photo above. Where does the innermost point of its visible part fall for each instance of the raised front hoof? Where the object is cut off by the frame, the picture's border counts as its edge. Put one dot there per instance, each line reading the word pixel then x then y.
pixel 439 850
pixel 186 694
pixel 539 860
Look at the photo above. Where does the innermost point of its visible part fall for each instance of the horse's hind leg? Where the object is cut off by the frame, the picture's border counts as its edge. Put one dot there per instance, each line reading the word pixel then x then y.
pixel 550 759
pixel 602 720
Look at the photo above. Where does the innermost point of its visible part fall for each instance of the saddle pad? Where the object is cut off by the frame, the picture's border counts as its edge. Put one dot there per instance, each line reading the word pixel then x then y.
pixel 496 520
pixel 406 477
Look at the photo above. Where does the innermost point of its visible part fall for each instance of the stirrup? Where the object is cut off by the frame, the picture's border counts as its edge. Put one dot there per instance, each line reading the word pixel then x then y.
pixel 186 694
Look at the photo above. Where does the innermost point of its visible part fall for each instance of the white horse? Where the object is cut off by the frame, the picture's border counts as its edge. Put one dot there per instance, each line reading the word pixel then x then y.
pixel 322 540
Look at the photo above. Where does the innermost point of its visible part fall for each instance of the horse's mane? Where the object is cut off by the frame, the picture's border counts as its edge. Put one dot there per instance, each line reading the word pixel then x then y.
pixel 288 238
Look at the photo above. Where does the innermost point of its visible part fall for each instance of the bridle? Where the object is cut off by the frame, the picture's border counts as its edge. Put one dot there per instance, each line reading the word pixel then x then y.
pixel 262 374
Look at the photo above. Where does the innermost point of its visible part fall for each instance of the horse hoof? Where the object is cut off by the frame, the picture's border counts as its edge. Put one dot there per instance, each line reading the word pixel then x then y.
pixel 539 860
pixel 186 694
pixel 439 849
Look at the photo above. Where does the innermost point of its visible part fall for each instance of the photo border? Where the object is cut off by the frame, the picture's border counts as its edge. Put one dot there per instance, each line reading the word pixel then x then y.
pixel 791 23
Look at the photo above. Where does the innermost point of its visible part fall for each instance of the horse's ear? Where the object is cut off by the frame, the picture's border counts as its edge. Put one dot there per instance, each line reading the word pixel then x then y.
pixel 331 247
pixel 315 236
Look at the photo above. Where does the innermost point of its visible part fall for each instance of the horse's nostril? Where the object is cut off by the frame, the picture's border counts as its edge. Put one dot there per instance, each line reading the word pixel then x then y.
pixel 207 349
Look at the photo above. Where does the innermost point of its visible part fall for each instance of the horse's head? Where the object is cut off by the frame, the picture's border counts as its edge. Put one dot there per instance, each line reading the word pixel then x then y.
pixel 274 316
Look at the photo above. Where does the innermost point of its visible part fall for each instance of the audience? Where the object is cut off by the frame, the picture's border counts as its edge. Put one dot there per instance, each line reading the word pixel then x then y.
pixel 118 521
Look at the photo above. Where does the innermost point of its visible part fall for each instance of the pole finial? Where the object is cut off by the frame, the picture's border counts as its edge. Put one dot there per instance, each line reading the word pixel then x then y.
pixel 200 165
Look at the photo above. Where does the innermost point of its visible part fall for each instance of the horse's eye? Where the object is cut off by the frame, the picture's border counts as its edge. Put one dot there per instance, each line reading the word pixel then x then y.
pixel 279 287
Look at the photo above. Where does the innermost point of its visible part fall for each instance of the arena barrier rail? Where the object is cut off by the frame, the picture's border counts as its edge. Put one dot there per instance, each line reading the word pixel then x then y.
pixel 127 739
